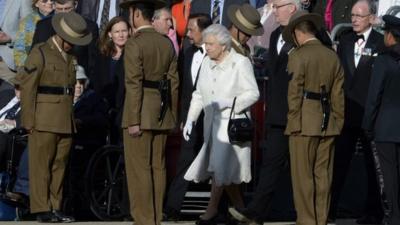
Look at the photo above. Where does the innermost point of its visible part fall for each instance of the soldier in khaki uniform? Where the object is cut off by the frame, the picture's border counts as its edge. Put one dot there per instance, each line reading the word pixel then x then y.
pixel 315 117
pixel 47 86
pixel 245 23
pixel 150 110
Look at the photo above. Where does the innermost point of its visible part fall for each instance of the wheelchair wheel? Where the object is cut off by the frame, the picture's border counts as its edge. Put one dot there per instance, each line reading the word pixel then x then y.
pixel 106 184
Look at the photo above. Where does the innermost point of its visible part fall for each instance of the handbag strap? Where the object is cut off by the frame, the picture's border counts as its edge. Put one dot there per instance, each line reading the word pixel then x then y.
pixel 233 107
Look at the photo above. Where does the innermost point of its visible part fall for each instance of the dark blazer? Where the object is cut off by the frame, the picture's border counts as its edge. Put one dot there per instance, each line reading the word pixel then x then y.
pixel 204 6
pixel 382 108
pixel 91 111
pixel 357 80
pixel 187 84
pixel 109 84
pixel 84 54
pixel 278 80
pixel 90 8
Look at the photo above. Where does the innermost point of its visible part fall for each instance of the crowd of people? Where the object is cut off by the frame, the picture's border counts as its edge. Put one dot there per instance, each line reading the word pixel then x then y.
pixel 127 72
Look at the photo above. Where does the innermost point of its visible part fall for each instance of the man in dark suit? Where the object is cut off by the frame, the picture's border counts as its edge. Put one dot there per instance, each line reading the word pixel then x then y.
pixel 381 118
pixel 357 51
pixel 84 54
pixel 275 153
pixel 217 9
pixel 99 11
pixel 189 66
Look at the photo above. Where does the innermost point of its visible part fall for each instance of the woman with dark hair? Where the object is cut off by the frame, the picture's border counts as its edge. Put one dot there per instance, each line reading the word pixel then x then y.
pixel 108 78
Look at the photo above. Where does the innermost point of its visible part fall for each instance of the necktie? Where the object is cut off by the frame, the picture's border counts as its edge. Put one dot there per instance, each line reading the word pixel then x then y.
pixel 358 37
pixel 328 15
pixel 104 15
pixel 195 48
pixel 12 112
pixel 215 13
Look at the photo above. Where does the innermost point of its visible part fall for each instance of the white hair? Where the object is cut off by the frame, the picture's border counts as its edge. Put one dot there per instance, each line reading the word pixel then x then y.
pixel 220 33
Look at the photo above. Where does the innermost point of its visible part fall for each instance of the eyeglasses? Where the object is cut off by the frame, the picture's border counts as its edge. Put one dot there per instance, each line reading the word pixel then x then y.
pixel 279 6
pixel 358 16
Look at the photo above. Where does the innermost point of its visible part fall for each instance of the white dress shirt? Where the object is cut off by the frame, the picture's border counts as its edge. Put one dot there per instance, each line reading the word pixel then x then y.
pixel 280 44
pixel 196 62
pixel 9 105
pixel 111 14
pixel 359 46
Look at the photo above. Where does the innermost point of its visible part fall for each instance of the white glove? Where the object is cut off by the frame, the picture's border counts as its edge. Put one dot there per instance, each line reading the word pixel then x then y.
pixel 221 104
pixel 187 130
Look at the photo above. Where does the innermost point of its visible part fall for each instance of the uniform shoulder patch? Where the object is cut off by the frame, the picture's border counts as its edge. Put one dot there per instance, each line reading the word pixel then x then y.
pixel 30 70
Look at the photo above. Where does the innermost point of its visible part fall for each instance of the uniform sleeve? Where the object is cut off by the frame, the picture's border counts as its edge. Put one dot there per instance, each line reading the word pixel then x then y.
pixel 337 97
pixel 173 76
pixel 374 96
pixel 295 93
pixel 30 77
pixel 248 87
pixel 133 83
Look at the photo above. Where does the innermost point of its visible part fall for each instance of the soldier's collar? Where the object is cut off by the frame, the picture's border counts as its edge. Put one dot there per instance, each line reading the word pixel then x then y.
pixel 144 27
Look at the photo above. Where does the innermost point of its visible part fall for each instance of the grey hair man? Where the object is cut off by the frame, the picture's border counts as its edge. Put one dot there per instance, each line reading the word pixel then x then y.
pixel 276 148
pixel 356 51
pixel 162 20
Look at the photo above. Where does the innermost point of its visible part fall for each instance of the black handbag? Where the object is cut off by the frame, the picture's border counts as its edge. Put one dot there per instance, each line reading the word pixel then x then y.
pixel 241 129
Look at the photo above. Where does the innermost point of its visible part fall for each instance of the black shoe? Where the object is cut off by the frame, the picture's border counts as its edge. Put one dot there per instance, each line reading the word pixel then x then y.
pixel 63 218
pixel 170 214
pixel 46 217
pixel 369 219
pixel 211 221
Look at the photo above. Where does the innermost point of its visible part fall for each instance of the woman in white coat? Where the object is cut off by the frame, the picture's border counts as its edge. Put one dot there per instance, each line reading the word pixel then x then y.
pixel 224 75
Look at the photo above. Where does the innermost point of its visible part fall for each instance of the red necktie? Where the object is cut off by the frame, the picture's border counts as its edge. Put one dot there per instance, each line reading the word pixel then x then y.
pixel 328 15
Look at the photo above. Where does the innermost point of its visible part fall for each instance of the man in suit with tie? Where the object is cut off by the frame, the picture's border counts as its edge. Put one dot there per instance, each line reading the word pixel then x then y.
pixel 275 153
pixel 99 11
pixel 11 12
pixel 357 51
pixel 189 66
pixel 217 9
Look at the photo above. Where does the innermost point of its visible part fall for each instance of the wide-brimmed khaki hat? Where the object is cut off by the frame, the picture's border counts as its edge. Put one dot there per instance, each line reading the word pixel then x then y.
pixel 299 17
pixel 246 18
pixel 158 4
pixel 72 28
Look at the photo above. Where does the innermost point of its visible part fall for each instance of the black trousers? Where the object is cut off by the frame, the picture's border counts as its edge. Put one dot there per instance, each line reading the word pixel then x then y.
pixel 344 151
pixel 5 140
pixel 389 157
pixel 274 158
pixel 188 152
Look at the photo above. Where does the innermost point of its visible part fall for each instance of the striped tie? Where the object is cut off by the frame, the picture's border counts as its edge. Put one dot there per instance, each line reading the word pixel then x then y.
pixel 215 13
pixel 104 15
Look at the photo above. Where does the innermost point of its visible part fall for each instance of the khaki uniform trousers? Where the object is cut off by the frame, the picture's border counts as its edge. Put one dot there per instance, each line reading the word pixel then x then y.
pixel 48 156
pixel 146 175
pixel 311 162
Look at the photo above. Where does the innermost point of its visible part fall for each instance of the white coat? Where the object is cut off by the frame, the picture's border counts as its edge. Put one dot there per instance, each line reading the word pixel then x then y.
pixel 233 77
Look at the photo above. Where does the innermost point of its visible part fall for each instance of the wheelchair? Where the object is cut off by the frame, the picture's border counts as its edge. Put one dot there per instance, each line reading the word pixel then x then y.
pixel 105 184
pixel 20 201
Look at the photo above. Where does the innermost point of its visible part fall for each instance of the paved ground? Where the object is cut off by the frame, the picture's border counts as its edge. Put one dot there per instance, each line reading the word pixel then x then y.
pixel 340 222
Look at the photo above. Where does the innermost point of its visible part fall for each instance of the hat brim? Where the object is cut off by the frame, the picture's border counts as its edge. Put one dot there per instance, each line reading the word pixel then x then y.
pixel 158 4
pixel 314 18
pixel 254 32
pixel 84 40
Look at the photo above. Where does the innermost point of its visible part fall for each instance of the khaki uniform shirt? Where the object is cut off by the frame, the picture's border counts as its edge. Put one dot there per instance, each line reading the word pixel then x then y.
pixel 311 66
pixel 148 56
pixel 46 66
